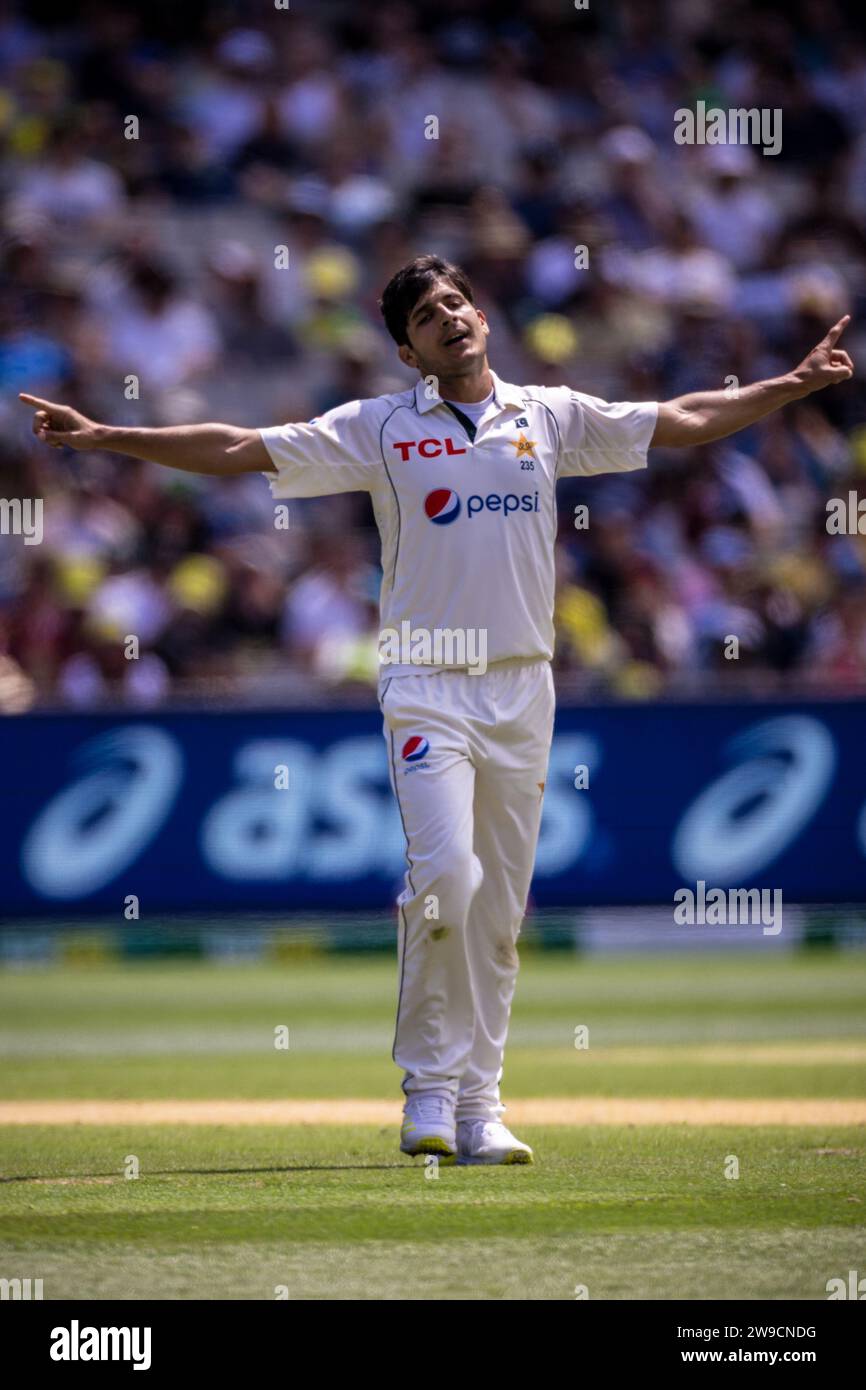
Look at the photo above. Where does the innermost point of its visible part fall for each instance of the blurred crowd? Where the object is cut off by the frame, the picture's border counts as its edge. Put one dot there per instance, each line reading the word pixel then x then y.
pixel 200 207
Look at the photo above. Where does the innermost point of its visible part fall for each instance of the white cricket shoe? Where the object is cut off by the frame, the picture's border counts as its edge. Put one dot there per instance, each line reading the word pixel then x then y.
pixel 489 1141
pixel 428 1126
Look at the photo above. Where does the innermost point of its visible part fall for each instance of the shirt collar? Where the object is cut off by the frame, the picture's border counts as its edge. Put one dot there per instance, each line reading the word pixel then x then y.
pixel 504 395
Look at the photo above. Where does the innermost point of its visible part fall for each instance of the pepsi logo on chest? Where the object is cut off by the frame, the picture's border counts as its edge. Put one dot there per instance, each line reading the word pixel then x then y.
pixel 442 506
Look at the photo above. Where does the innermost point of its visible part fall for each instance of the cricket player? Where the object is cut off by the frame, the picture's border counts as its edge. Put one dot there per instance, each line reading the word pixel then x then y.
pixel 462 470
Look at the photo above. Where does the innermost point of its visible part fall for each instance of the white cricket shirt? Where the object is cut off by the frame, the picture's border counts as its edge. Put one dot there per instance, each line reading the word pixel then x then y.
pixel 467 525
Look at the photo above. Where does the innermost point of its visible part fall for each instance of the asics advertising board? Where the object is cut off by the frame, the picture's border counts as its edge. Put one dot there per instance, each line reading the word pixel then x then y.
pixel 294 809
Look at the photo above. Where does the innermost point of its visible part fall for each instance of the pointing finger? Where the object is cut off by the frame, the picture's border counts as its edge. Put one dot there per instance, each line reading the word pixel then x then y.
pixel 37 401
pixel 837 330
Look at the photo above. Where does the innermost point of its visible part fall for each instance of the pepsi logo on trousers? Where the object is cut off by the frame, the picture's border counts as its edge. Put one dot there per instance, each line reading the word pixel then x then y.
pixel 415 748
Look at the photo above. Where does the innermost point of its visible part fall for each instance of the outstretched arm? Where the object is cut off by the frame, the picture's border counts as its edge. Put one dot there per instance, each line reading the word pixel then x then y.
pixel 218 449
pixel 703 416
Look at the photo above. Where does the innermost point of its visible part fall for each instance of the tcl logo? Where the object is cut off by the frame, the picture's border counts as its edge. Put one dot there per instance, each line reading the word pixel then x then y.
pixel 427 448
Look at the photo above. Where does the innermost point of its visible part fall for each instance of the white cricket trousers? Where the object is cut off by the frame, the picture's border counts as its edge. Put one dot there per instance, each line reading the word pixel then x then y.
pixel 468 757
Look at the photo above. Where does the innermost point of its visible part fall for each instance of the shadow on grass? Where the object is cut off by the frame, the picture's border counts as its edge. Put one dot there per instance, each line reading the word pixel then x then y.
pixel 218 1172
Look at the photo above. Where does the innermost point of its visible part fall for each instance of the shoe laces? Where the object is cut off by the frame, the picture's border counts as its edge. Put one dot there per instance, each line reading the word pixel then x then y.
pixel 475 1125
pixel 431 1107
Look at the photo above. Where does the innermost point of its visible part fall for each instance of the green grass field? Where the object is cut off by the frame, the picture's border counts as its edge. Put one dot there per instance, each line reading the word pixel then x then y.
pixel 335 1211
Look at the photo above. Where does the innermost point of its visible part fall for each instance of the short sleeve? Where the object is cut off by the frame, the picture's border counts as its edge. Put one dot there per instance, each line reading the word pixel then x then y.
pixel 599 436
pixel 337 452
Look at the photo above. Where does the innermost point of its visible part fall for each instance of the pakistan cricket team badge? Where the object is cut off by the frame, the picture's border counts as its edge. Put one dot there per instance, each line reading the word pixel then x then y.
pixel 525 447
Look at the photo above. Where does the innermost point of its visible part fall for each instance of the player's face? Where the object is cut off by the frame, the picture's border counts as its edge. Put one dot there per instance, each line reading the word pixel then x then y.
pixel 447 335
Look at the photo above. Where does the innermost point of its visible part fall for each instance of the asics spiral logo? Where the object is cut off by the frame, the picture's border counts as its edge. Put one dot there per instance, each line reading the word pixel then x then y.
pixel 747 817
pixel 415 748
pixel 126 783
